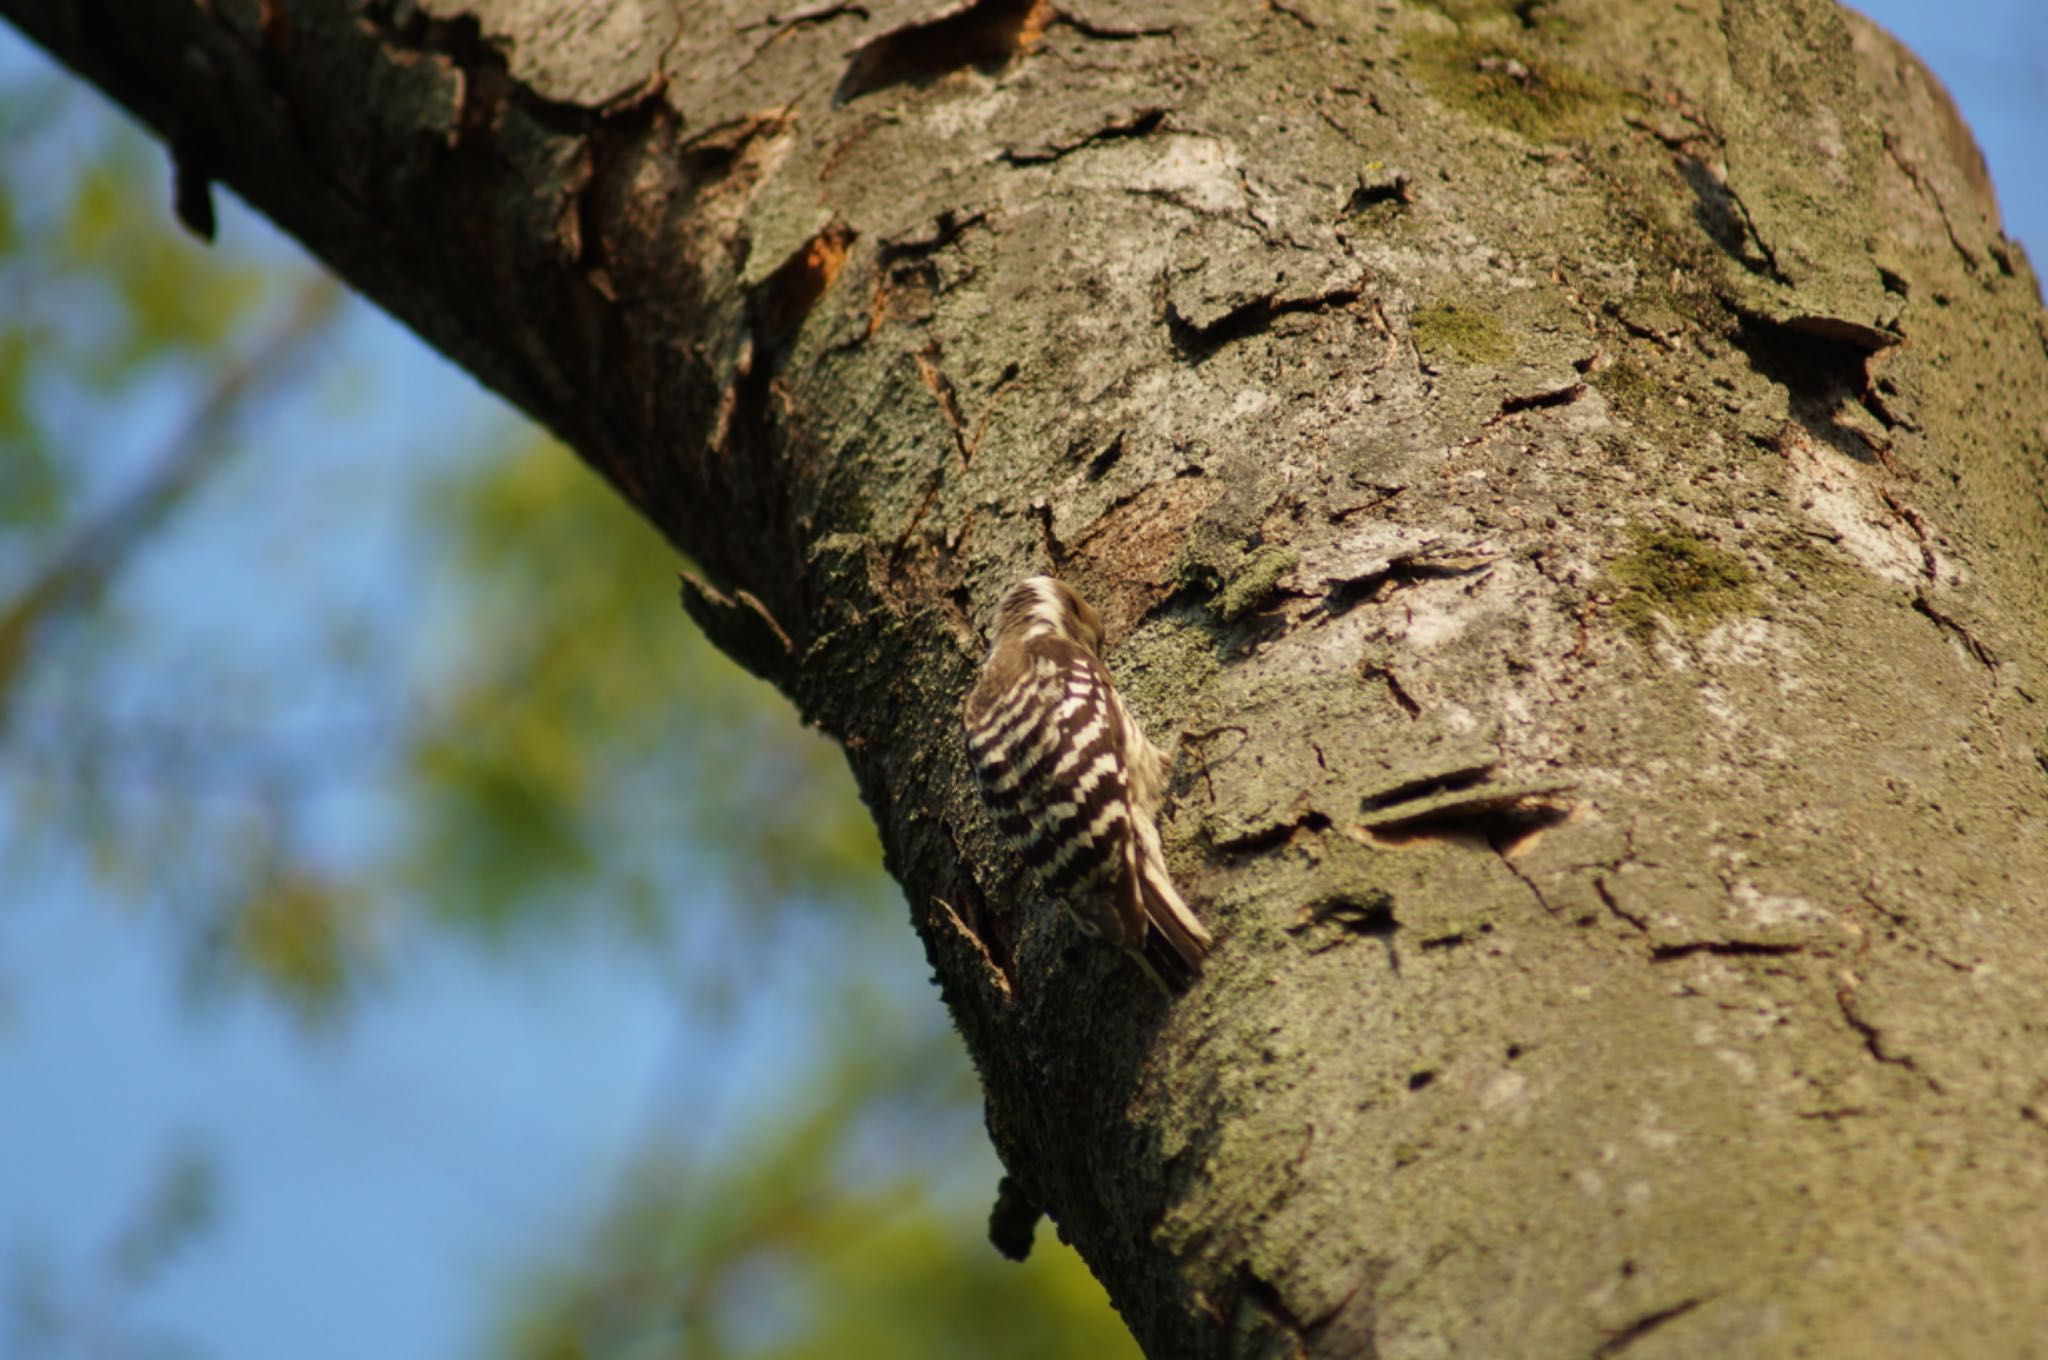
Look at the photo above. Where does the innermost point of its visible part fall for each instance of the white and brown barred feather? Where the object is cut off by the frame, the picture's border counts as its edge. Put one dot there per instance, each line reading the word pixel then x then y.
pixel 1072 781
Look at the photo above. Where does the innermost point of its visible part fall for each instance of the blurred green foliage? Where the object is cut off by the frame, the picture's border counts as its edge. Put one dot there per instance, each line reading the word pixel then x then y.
pixel 178 1211
pixel 781 1252
pixel 548 747
pixel 96 287
pixel 581 705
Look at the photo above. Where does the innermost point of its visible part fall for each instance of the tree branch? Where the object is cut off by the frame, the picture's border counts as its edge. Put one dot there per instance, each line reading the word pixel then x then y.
pixel 1623 340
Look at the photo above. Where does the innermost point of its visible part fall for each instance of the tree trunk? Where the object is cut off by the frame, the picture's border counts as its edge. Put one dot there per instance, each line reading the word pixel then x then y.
pixel 1573 476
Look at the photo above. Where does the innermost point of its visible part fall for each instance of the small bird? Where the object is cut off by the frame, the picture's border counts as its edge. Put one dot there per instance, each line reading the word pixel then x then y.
pixel 1072 781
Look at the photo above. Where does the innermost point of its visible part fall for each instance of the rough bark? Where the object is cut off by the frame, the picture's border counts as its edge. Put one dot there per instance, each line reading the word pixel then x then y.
pixel 1572 475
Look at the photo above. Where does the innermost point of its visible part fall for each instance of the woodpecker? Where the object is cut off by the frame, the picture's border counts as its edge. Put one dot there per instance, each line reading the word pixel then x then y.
pixel 1073 783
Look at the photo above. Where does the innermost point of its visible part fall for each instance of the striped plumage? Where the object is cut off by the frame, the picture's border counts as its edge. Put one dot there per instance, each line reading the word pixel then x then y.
pixel 1072 782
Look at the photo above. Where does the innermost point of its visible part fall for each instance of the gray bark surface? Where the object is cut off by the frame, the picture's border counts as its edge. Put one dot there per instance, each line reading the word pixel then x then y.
pixel 1572 477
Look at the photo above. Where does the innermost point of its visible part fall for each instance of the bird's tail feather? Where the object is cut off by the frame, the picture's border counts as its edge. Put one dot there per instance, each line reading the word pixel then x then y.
pixel 1175 943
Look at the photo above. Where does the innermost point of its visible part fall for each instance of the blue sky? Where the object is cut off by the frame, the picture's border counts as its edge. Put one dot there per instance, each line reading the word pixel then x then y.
pixel 378 1189
pixel 1993 57
pixel 383 1183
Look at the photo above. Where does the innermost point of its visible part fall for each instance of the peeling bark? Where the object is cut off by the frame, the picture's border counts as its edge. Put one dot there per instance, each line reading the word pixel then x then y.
pixel 1573 476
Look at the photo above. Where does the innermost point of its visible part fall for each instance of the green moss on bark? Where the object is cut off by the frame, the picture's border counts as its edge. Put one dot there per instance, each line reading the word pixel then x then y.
pixel 1688 581
pixel 1251 585
pixel 1510 84
pixel 1444 330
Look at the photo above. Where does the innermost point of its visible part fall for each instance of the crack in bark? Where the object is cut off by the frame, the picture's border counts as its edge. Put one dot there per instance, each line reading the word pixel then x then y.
pixel 1912 172
pixel 1101 32
pixel 740 625
pixel 1755 233
pixel 994 971
pixel 1620 1341
pixel 941 387
pixel 1873 1038
pixel 1766 949
pixel 984 34
pixel 1247 319
pixel 1820 357
pixel 1670 341
pixel 934 481
pixel 1685 949
pixel 1503 852
pixel 1538 401
pixel 1930 566
pixel 1048 537
pixel 1368 670
pixel 964 445
pixel 1673 139
pixel 1342 593
pixel 1369 913
pixel 1106 458
pixel 1273 836
pixel 1460 804
pixel 1463 777
pixel 778 305
pixel 1502 818
pixel 1614 907
pixel 1873 398
pixel 1399 191
pixel 486 85
pixel 1142 122
pixel 1823 362
pixel 1971 643
pixel 1833 1114
pixel 1724 217
pixel 1264 1295
pixel 784 28
pixel 905 265
pixel 1457 939
pixel 1338 514
pixel 1197 744
pixel 1344 1328
pixel 1276 7
pixel 947 228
